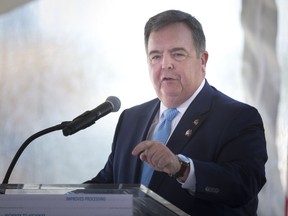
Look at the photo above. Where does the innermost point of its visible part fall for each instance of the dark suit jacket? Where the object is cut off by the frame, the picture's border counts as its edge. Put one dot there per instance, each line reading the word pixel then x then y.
pixel 224 138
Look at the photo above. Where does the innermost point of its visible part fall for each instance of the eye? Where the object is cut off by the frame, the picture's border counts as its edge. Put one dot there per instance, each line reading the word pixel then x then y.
pixel 179 55
pixel 155 58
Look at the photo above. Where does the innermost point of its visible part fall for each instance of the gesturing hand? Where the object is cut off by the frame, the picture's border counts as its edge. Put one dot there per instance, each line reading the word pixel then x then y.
pixel 158 156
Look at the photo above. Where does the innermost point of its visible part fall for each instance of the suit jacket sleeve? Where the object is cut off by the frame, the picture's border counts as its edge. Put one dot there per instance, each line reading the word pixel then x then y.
pixel 235 174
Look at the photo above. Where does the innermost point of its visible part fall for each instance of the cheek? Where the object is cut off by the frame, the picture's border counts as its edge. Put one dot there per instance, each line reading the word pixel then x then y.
pixel 151 75
pixel 188 79
pixel 154 74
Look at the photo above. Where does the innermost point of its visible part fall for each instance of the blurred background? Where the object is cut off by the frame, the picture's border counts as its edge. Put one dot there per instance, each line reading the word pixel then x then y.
pixel 59 58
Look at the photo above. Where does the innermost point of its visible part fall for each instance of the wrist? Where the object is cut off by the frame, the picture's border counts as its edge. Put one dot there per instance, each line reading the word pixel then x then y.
pixel 183 172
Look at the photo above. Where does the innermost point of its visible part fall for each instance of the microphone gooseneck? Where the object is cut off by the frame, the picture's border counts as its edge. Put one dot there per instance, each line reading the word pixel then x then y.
pixel 112 104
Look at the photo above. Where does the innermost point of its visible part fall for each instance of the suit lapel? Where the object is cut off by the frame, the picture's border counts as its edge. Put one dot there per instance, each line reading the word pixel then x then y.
pixel 191 121
pixel 187 128
pixel 147 119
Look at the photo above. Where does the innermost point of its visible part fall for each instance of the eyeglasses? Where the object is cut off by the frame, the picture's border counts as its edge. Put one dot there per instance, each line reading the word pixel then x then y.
pixel 179 55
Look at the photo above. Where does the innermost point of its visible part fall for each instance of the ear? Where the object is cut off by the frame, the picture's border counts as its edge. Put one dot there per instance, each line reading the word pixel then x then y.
pixel 204 59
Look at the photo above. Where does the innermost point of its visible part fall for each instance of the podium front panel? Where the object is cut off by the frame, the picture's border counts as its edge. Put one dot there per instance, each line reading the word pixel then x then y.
pixel 55 197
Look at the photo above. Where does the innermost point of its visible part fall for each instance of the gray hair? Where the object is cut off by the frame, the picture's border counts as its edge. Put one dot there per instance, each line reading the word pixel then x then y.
pixel 173 16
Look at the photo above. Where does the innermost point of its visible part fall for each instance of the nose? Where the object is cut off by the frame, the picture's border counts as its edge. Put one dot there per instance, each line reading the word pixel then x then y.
pixel 167 62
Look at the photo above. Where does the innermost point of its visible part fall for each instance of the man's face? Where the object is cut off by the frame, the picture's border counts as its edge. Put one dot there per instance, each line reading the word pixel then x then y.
pixel 175 70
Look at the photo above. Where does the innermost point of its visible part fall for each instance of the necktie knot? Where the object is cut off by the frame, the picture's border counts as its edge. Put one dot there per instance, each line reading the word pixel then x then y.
pixel 164 129
pixel 170 114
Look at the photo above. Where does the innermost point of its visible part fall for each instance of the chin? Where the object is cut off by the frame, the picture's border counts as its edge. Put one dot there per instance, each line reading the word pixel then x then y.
pixel 172 101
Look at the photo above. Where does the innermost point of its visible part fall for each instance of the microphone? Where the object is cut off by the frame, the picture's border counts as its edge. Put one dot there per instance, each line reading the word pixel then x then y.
pixel 88 118
pixel 112 104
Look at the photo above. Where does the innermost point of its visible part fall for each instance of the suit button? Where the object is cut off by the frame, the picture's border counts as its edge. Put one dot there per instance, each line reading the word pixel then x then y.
pixel 212 189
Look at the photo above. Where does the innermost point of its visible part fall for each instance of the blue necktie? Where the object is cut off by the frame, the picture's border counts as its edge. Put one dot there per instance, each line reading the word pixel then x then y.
pixel 161 135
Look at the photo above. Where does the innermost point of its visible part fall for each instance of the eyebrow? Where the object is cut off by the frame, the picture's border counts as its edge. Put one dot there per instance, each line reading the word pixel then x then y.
pixel 153 52
pixel 178 49
pixel 171 50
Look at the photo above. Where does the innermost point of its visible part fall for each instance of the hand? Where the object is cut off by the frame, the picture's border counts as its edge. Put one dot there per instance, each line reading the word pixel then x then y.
pixel 158 156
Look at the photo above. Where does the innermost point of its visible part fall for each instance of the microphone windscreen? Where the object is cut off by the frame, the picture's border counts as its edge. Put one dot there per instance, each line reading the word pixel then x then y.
pixel 115 102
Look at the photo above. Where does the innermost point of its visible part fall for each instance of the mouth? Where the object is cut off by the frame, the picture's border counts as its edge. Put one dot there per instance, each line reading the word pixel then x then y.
pixel 168 79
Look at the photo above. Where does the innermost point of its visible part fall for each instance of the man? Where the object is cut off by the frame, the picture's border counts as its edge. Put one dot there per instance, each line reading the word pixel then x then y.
pixel 213 162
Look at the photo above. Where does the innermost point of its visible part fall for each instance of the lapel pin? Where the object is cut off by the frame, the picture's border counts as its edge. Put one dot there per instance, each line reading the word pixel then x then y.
pixel 188 133
pixel 196 122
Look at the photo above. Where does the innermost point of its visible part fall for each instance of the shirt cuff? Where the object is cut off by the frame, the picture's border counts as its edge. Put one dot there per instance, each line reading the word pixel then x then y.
pixel 190 183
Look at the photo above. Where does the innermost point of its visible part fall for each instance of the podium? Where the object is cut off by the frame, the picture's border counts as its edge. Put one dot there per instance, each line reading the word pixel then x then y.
pixel 82 199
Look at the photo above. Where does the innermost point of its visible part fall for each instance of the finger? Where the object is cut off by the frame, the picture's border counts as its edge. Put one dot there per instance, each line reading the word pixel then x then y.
pixel 162 161
pixel 141 147
pixel 143 157
pixel 155 154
